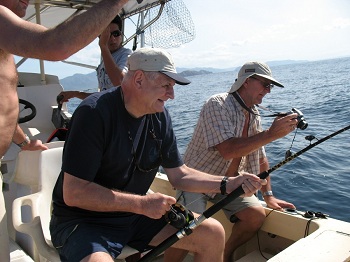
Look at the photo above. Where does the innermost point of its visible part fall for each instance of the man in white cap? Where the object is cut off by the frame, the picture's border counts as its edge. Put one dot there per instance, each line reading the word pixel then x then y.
pixel 229 139
pixel 117 140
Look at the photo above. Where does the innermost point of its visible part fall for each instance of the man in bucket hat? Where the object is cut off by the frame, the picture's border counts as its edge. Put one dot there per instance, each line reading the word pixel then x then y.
pixel 229 139
pixel 117 140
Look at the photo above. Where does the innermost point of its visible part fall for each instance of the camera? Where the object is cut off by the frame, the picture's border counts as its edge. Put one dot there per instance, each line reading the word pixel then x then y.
pixel 302 124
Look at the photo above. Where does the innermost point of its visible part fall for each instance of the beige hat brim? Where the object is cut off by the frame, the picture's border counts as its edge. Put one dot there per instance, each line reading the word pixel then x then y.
pixel 239 82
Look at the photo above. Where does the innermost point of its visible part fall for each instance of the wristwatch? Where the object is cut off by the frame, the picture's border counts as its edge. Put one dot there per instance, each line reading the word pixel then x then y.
pixel 268 193
pixel 25 142
pixel 223 185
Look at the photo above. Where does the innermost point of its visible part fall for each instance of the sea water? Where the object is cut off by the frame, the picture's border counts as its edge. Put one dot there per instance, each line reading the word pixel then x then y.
pixel 319 179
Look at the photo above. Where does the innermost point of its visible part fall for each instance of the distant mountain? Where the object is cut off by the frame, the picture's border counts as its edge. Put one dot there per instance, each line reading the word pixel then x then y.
pixel 285 62
pixel 194 72
pixel 80 82
pixel 88 82
pixel 232 69
pixel 207 69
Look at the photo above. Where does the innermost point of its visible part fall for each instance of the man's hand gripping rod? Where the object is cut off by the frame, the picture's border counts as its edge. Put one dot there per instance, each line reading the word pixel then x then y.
pixel 187 230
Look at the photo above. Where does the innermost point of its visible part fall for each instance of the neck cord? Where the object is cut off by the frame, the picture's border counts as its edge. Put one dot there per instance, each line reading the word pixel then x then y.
pixel 241 102
pixel 134 142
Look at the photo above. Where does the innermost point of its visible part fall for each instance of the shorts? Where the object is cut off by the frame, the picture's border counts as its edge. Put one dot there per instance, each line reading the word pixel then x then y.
pixel 197 202
pixel 74 241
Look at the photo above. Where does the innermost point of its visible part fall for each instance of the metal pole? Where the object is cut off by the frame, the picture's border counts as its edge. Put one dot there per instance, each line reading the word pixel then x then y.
pixel 141 26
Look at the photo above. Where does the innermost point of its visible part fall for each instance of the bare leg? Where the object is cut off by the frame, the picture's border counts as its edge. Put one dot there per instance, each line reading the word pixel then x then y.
pixel 207 241
pixel 97 257
pixel 250 220
pixel 175 254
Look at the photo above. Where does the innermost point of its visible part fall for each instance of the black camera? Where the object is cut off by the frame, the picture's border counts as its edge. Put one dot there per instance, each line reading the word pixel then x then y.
pixel 302 124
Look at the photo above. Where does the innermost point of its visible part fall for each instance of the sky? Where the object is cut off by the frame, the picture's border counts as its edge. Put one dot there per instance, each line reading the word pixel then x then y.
pixel 232 32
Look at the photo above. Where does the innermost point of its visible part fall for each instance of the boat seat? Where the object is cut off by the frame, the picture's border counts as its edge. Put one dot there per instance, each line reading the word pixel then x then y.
pixel 47 164
pixel 17 254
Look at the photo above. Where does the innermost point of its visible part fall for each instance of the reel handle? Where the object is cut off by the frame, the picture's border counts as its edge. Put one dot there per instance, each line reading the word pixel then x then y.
pixel 179 216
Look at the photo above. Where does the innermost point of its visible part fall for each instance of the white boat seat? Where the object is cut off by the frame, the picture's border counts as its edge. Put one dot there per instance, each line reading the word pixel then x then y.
pixel 26 170
pixel 17 254
pixel 48 166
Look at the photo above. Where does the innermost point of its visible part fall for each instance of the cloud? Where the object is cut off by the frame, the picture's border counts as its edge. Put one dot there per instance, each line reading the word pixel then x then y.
pixel 89 55
pixel 260 30
pixel 239 43
pixel 338 23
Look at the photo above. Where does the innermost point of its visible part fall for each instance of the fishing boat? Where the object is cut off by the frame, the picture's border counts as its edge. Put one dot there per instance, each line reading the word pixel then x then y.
pixel 29 176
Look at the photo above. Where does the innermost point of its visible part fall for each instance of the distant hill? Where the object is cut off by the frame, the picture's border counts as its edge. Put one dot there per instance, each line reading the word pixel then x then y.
pixel 231 69
pixel 207 69
pixel 88 82
pixel 194 72
pixel 285 62
pixel 80 82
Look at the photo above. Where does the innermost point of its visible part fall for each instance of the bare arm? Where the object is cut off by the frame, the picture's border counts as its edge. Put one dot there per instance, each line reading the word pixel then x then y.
pixel 33 144
pixel 35 41
pixel 238 147
pixel 264 165
pixel 189 179
pixel 71 94
pixel 91 196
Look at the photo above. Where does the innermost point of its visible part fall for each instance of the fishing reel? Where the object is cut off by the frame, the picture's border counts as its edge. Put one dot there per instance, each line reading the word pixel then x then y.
pixel 179 216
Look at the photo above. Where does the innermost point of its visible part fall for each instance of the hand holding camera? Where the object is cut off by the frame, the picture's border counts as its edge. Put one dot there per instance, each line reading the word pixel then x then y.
pixel 302 124
pixel 286 122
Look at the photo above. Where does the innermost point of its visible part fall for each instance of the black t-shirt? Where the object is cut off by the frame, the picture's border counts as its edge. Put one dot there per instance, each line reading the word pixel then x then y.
pixel 99 148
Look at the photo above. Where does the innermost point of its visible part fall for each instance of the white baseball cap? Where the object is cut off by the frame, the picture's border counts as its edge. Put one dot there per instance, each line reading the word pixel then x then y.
pixel 155 60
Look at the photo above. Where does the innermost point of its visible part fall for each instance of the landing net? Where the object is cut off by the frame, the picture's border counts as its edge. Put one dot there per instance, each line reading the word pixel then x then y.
pixel 174 27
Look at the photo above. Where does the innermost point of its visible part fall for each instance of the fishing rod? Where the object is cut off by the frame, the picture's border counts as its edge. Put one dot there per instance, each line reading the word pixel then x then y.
pixel 188 229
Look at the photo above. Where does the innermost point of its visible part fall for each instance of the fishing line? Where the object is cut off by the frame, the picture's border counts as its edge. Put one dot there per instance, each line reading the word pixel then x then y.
pixel 289 151
pixel 187 230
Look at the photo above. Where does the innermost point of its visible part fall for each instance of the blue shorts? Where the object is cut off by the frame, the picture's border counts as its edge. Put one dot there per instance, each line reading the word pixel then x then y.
pixel 74 241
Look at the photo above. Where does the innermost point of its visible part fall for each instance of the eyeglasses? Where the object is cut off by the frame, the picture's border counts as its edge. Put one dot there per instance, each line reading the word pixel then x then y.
pixel 265 85
pixel 116 33
pixel 155 164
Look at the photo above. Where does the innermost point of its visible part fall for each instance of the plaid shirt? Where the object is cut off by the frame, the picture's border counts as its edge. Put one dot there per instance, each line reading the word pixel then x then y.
pixel 221 118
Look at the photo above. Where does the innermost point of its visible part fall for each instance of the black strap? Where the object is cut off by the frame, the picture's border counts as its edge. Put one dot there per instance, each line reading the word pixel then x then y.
pixel 140 129
pixel 223 185
pixel 139 132
pixel 241 102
